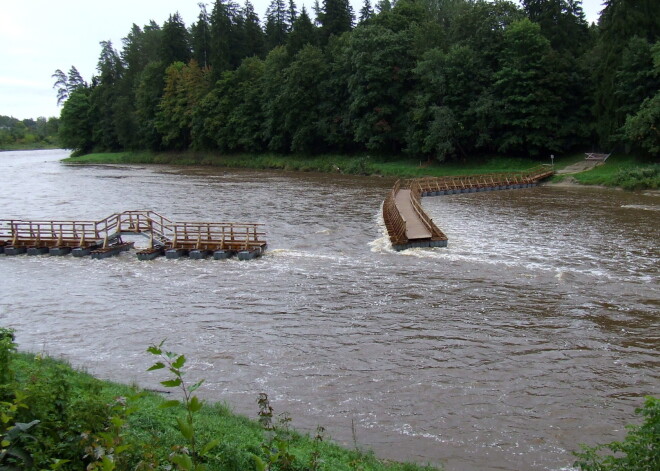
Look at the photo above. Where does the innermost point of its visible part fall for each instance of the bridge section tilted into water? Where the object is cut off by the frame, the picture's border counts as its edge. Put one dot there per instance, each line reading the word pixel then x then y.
pixel 409 226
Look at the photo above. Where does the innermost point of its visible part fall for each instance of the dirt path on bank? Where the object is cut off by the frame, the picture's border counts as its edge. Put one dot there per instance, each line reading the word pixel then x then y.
pixel 578 167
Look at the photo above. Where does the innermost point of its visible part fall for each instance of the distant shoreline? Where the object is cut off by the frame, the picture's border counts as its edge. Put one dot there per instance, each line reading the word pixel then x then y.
pixel 27 148
pixel 620 171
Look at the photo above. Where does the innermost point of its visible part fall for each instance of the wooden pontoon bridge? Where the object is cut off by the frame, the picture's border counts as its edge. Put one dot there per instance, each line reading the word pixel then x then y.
pixel 103 238
pixel 409 226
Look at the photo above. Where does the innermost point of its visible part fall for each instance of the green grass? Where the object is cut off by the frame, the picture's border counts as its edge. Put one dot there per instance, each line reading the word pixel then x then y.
pixel 625 171
pixel 73 411
pixel 32 146
pixel 357 165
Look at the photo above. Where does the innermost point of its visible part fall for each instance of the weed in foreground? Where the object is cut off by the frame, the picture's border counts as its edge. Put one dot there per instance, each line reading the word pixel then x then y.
pixel 190 456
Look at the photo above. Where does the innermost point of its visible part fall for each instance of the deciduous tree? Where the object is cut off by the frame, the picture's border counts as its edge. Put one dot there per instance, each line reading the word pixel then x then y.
pixel 185 86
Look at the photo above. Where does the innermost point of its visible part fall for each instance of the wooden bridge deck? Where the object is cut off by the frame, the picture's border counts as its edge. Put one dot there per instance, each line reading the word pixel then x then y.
pixel 409 226
pixel 415 227
pixel 59 237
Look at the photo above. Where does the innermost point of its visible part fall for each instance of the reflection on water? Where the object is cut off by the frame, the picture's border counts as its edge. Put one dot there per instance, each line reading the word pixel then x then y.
pixel 535 330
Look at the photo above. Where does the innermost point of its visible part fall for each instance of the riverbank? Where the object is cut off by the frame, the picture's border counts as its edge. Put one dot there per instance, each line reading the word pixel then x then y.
pixel 624 171
pixel 331 163
pixel 70 415
pixel 621 171
pixel 27 147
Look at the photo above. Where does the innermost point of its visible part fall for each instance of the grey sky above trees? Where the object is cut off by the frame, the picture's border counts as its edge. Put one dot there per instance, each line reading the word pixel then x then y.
pixel 39 36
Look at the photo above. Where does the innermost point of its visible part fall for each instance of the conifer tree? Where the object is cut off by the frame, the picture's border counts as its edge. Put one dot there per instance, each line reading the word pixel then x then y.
pixel 318 13
pixel 200 33
pixel 303 33
pixel 337 17
pixel 254 34
pixel 277 24
pixel 222 29
pixel 562 22
pixel 366 12
pixel 175 42
pixel 293 13
pixel 383 6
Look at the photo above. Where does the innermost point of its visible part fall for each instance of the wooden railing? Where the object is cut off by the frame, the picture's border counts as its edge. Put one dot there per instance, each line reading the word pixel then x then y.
pixel 60 233
pixel 394 222
pixel 461 182
pixel 137 222
pixel 169 234
pixel 217 236
pixel 416 200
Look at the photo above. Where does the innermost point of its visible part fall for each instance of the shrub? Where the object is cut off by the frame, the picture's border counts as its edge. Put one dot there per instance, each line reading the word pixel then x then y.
pixel 639 451
pixel 640 178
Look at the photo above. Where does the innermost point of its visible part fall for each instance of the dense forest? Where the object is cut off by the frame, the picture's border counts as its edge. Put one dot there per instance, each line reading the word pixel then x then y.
pixel 28 133
pixel 438 79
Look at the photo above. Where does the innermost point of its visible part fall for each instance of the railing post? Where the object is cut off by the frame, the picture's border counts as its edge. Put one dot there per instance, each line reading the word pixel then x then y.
pixel 14 234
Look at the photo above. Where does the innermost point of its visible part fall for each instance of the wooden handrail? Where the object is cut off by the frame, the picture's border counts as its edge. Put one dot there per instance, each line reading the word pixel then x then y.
pixel 415 199
pixel 31 232
pixel 394 222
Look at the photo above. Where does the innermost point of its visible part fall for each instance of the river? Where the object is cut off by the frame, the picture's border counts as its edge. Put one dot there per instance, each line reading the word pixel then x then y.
pixel 535 330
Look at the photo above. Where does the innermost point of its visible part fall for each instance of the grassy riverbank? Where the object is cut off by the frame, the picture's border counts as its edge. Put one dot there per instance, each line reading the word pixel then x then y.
pixel 332 163
pixel 623 171
pixel 32 146
pixel 72 421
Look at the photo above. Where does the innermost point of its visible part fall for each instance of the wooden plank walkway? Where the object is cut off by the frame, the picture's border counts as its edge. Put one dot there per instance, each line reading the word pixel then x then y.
pixel 415 227
pixel 409 226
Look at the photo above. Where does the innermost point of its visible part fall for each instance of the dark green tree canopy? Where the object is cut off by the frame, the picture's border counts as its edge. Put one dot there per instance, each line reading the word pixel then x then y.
pixel 175 42
pixel 277 24
pixel 437 79
pixel 303 32
pixel 337 17
pixel 200 38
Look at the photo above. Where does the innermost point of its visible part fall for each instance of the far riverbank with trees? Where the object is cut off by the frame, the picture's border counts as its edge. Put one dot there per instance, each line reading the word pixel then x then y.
pixel 433 81
pixel 28 134
pixel 620 170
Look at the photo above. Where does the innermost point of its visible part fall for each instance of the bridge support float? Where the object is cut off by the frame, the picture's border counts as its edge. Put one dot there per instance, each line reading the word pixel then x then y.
pixel 11 250
pixel 199 254
pixel 111 250
pixel 174 254
pixel 37 250
pixel 59 251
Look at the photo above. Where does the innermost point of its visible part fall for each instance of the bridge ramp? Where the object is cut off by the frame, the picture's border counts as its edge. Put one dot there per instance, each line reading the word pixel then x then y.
pixel 415 227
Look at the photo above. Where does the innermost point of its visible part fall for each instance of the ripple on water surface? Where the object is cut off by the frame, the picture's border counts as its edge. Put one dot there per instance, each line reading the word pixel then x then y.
pixel 535 330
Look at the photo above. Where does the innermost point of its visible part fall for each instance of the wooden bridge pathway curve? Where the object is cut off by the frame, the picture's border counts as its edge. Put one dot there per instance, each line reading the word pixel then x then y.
pixel 409 226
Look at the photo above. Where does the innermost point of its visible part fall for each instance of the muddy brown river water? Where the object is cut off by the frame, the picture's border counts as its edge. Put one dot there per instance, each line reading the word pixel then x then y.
pixel 535 330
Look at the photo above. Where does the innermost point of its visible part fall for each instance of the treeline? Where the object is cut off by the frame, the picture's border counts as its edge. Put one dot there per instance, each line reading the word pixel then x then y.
pixel 431 78
pixel 28 133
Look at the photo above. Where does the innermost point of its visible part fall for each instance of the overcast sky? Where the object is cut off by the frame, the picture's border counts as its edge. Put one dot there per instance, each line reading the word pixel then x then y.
pixel 39 36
